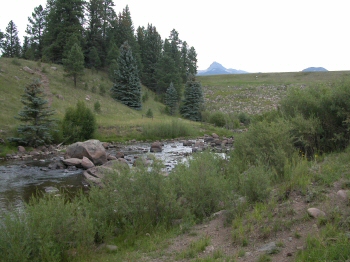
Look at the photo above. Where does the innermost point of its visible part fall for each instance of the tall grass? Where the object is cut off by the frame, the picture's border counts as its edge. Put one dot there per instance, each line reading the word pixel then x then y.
pixel 175 128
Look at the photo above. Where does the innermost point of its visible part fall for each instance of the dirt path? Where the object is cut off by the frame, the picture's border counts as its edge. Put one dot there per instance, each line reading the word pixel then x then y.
pixel 45 83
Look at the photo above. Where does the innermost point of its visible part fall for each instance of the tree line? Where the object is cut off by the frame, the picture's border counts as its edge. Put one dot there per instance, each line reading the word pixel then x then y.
pixel 94 25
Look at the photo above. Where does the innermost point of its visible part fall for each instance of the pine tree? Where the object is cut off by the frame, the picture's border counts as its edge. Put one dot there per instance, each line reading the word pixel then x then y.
pixel 171 99
pixel 1 38
pixel 184 61
pixel 127 86
pixel 11 46
pixel 35 30
pixel 193 100
pixel 74 63
pixel 151 52
pixel 113 53
pixel 192 61
pixel 64 19
pixel 94 59
pixel 36 116
pixel 166 71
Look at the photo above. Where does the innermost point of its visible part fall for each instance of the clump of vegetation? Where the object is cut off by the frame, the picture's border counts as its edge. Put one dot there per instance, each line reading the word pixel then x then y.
pixel 97 107
pixel 79 123
pixel 218 119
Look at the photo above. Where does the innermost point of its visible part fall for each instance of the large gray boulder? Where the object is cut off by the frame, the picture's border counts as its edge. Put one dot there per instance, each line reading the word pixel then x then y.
pixel 92 149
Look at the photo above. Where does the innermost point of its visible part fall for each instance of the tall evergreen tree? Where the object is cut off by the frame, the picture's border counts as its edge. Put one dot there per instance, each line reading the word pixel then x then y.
pixel 127 86
pixel 11 46
pixel 27 52
pixel 192 61
pixel 36 117
pixel 184 61
pixel 74 63
pixel 171 99
pixel 193 100
pixel 35 30
pixel 64 19
pixel 123 30
pixel 94 59
pixel 151 51
pixel 166 71
pixel 1 38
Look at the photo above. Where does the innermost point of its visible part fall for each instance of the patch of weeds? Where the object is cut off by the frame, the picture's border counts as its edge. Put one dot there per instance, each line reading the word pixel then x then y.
pixel 280 244
pixel 241 253
pixel 16 62
pixel 194 248
pixel 297 235
pixel 264 258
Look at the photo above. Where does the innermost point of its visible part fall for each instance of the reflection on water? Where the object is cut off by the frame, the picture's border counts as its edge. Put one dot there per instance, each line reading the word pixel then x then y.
pixel 19 180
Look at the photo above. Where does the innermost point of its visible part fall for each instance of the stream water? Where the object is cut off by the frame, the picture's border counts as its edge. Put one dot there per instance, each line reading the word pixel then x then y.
pixel 20 179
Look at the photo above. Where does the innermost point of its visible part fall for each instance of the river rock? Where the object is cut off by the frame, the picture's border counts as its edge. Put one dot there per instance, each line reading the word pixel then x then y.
pixel 156 147
pixel 343 194
pixel 315 212
pixel 215 135
pixel 86 163
pixel 21 149
pixel 92 149
pixel 187 143
pixel 72 162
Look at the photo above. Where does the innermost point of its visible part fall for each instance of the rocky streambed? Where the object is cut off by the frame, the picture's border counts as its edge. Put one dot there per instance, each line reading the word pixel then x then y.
pixel 50 170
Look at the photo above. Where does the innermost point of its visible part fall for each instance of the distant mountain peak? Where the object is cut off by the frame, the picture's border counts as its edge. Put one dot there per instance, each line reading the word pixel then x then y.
pixel 315 69
pixel 218 69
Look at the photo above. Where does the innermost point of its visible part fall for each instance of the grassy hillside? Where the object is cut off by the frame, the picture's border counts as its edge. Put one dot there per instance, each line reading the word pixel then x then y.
pixel 116 121
pixel 257 93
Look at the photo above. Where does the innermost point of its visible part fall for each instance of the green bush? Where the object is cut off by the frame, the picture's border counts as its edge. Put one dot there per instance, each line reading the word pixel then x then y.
pixel 97 107
pixel 149 113
pixel 268 143
pixel 218 119
pixel 132 199
pixel 79 123
pixel 145 97
pixel 102 90
pixel 325 115
pixel 244 118
pixel 200 185
pixel 49 227
pixel 255 183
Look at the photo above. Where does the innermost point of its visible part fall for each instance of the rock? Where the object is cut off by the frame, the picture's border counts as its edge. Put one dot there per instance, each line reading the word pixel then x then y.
pixel 111 247
pixel 120 155
pixel 209 249
pixel 86 163
pixel 105 145
pixel 60 97
pixel 187 143
pixel 72 162
pixel 315 212
pixel 156 147
pixel 51 189
pixel 343 194
pixel 92 149
pixel 58 164
pixel 28 70
pixel 214 135
pixel 269 248
pixel 110 157
pixel 53 68
pixel 21 149
pixel 97 173
pixel 17 78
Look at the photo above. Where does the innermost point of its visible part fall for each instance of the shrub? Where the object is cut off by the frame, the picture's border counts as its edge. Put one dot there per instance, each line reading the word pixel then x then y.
pixel 255 184
pixel 149 113
pixel 200 185
pixel 49 227
pixel 268 143
pixel 102 90
pixel 94 89
pixel 136 199
pixel 218 119
pixel 79 123
pixel 97 107
pixel 145 97
pixel 244 118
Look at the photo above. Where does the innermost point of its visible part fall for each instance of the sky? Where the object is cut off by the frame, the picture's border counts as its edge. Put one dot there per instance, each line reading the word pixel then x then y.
pixel 250 35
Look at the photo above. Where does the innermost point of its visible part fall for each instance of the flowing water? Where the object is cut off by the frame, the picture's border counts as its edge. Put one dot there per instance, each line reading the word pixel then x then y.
pixel 20 179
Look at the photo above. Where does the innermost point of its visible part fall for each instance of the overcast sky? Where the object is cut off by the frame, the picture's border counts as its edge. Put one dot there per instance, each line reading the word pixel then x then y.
pixel 251 35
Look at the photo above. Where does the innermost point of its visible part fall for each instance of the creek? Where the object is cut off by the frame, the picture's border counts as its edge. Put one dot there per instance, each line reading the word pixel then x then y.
pixel 21 179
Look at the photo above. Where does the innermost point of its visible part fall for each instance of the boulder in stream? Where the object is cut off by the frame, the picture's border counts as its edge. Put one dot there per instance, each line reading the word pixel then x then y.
pixel 92 149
